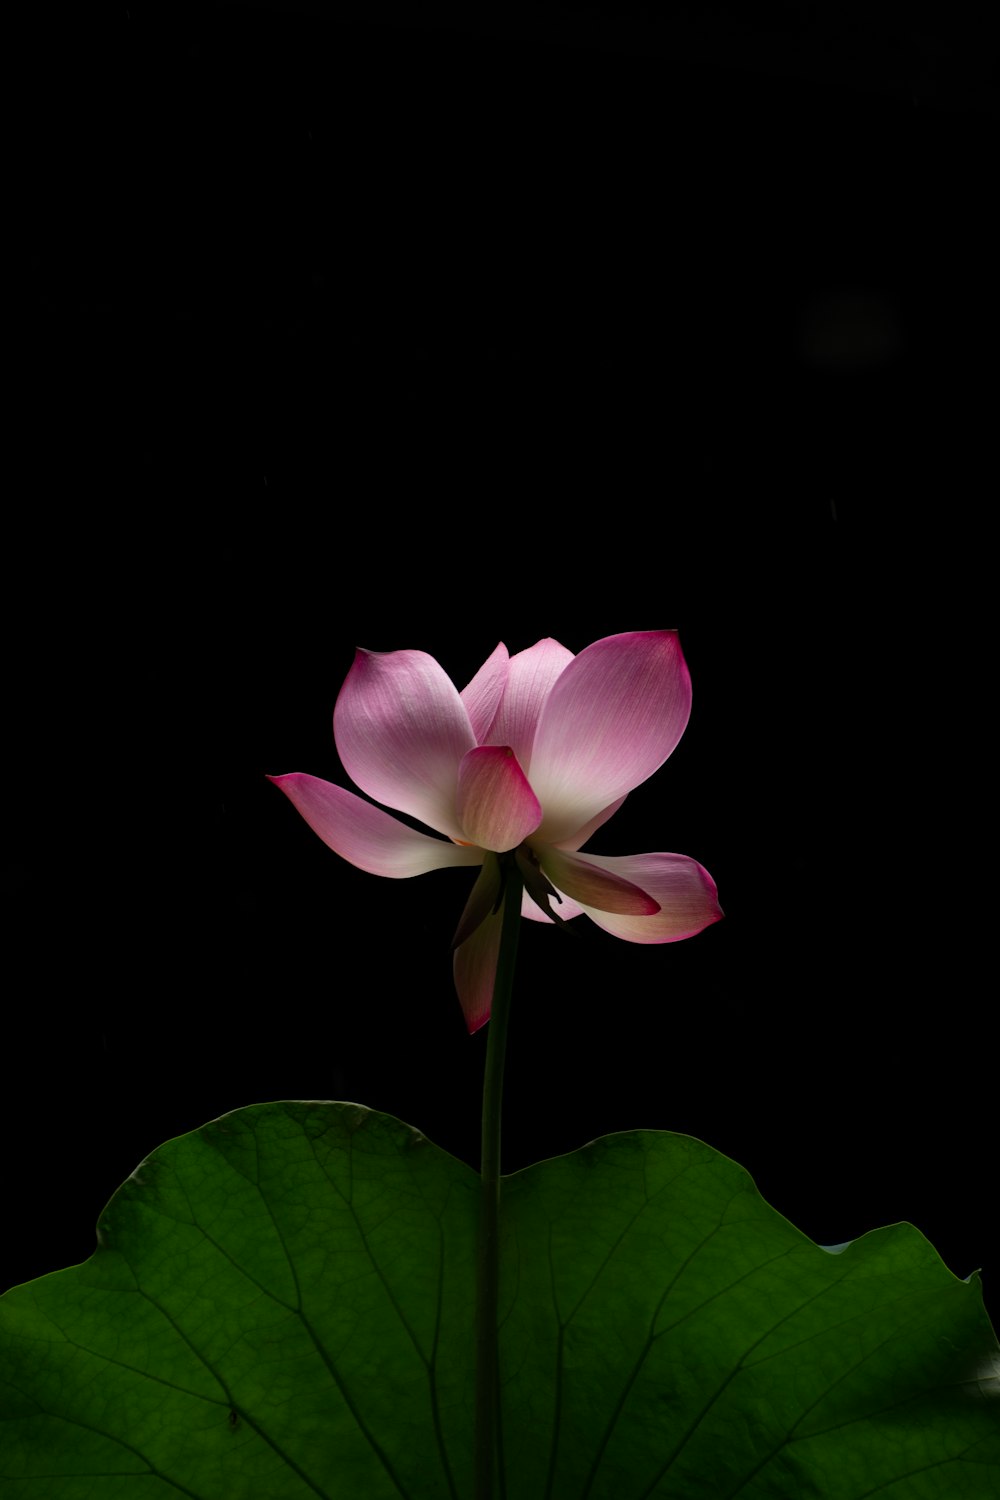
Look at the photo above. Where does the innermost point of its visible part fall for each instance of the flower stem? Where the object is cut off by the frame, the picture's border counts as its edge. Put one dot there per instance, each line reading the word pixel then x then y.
pixel 487 1258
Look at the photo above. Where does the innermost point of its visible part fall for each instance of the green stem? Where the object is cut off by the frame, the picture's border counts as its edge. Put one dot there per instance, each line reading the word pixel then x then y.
pixel 487 1260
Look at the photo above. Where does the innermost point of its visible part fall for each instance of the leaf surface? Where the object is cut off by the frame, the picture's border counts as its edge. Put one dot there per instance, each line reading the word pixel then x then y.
pixel 281 1307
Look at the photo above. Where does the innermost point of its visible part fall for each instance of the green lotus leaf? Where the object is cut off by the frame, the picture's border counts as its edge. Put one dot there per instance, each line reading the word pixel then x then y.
pixel 281 1307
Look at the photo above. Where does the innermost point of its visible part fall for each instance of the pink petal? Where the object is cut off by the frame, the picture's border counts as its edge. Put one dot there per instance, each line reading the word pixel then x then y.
pixel 611 719
pixel 365 835
pixel 483 694
pixel 401 730
pixel 686 893
pixel 475 971
pixel 496 806
pixel 530 679
pixel 581 835
pixel 591 882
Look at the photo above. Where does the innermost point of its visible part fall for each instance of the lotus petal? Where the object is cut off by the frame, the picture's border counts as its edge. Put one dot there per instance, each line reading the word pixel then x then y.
pixel 475 967
pixel 365 835
pixel 401 730
pixel 612 718
pixel 482 695
pixel 530 679
pixel 592 883
pixel 685 890
pixel 496 806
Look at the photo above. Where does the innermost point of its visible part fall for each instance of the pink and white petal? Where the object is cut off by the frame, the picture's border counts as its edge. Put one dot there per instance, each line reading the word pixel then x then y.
pixel 365 835
pixel 610 721
pixel 581 835
pixel 483 694
pixel 565 909
pixel 530 679
pixel 686 892
pixel 495 804
pixel 590 881
pixel 401 730
pixel 475 968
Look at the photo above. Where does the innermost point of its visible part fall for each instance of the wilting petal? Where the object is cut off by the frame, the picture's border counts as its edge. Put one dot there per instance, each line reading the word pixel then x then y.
pixel 482 900
pixel 367 836
pixel 495 805
pixel 482 695
pixel 530 679
pixel 401 730
pixel 591 882
pixel 686 893
pixel 612 718
pixel 475 971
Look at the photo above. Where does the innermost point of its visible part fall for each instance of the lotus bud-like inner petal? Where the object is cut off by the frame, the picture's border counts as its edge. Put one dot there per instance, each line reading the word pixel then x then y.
pixel 495 804
pixel 531 676
pixel 482 696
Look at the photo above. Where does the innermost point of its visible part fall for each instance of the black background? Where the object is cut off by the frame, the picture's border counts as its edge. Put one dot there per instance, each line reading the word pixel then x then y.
pixel 428 335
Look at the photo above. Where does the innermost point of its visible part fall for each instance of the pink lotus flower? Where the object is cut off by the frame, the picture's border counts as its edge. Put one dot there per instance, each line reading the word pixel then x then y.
pixel 531 758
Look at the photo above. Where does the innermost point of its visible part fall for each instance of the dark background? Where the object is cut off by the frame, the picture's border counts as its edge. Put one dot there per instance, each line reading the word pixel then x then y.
pixel 567 321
